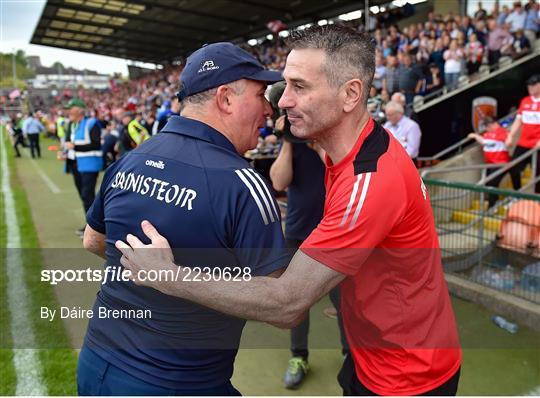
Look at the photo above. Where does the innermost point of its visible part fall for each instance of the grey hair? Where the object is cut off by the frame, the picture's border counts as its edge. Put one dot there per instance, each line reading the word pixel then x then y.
pixel 396 106
pixel 349 54
pixel 399 95
pixel 203 97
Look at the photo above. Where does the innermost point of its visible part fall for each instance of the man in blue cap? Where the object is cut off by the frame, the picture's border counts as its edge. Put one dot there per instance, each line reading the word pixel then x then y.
pixel 192 182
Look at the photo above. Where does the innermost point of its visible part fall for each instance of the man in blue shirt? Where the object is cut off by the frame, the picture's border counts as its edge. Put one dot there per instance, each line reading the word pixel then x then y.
pixel 170 108
pixel 216 211
pixel 403 128
pixel 32 128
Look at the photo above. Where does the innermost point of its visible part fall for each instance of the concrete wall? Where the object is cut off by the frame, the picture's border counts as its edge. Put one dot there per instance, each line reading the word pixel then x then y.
pixel 471 156
pixel 511 307
pixel 445 6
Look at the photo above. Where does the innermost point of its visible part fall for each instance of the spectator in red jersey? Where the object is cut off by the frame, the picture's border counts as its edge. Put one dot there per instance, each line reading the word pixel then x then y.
pixel 493 142
pixel 527 128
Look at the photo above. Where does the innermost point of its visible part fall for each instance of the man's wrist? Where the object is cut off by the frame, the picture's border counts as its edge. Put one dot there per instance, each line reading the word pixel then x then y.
pixel 173 286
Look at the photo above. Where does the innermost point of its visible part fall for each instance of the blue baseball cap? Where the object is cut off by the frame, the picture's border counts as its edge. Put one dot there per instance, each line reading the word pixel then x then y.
pixel 220 63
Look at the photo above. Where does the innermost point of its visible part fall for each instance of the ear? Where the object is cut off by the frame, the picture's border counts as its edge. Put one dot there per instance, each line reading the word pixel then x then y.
pixel 353 94
pixel 224 99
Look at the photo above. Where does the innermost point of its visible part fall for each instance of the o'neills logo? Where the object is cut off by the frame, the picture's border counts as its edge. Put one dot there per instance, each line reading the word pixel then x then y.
pixel 157 165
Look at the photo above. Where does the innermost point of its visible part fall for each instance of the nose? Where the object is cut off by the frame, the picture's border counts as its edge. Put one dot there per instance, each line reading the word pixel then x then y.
pixel 286 101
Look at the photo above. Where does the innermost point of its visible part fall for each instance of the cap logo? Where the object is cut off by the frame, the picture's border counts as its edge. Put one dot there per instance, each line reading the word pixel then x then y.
pixel 207 65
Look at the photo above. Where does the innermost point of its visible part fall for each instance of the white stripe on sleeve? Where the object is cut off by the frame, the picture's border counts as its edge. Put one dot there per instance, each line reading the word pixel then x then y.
pixel 351 200
pixel 268 194
pixel 361 201
pixel 253 194
pixel 261 193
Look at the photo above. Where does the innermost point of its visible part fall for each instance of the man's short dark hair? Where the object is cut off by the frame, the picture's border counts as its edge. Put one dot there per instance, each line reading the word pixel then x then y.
pixel 349 54
pixel 534 79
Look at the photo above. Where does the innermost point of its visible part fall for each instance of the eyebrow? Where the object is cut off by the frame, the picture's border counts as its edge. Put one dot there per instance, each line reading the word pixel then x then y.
pixel 296 80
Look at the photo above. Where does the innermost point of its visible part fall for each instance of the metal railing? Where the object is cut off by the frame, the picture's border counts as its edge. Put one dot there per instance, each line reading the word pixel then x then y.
pixel 503 168
pixel 495 246
pixel 458 147
pixel 533 153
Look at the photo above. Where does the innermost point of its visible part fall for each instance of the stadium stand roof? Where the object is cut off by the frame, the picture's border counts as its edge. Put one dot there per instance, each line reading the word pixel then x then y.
pixel 161 31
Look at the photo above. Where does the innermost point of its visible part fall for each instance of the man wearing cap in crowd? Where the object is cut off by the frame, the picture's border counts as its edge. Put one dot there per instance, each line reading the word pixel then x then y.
pixel 85 158
pixel 526 126
pixel 192 182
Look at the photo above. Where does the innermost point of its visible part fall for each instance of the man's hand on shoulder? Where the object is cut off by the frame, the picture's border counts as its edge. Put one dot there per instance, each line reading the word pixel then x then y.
pixel 144 260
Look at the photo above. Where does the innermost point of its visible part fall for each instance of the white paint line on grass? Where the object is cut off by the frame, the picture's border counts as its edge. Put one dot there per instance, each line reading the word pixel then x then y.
pixel 46 179
pixel 25 360
pixel 535 392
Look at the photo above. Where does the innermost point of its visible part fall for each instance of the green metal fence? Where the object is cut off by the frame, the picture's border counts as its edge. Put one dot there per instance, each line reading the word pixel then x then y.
pixel 489 236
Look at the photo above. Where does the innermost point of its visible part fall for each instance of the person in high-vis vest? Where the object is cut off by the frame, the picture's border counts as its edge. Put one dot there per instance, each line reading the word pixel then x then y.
pixel 61 124
pixel 85 140
pixel 137 132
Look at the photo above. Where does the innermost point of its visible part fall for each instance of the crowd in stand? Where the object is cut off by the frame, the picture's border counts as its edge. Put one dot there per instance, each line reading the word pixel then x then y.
pixel 417 59
pixel 430 56
pixel 425 57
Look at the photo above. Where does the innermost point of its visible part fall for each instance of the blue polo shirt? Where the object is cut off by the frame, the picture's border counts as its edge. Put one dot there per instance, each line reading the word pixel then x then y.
pixel 216 212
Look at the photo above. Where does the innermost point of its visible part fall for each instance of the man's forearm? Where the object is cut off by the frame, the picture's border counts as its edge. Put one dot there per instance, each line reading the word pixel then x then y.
pixel 281 172
pixel 94 242
pixel 263 298
pixel 279 301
